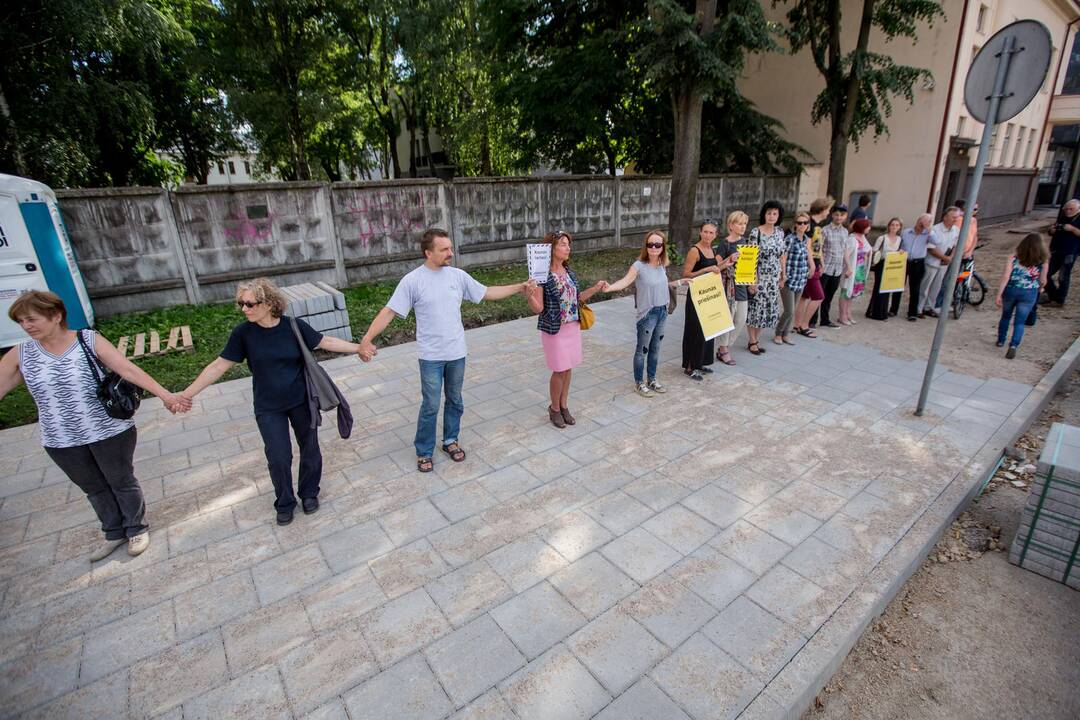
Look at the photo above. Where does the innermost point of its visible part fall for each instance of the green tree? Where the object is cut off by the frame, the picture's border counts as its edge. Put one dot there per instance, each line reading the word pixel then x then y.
pixel 693 55
pixel 859 85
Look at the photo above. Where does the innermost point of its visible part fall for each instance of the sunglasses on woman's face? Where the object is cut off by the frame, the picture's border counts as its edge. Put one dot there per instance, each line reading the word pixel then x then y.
pixel 654 245
pixel 245 304
pixel 802 222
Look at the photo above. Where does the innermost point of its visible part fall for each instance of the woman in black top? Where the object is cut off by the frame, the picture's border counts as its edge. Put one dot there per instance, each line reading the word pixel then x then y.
pixel 273 354
pixel 697 354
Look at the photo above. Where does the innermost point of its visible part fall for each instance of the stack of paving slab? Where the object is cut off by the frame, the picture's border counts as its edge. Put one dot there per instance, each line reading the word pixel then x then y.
pixel 321 306
pixel 1048 539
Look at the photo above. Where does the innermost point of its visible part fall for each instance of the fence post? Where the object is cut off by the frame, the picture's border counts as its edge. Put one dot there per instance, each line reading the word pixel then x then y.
pixel 446 201
pixel 182 250
pixel 542 198
pixel 618 211
pixel 335 239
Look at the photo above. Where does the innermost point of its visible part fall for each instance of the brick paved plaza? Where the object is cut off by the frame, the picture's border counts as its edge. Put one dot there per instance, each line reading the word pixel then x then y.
pixel 664 558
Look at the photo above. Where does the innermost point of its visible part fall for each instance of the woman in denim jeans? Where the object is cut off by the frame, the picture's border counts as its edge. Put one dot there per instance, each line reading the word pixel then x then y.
pixel 1024 276
pixel 649 275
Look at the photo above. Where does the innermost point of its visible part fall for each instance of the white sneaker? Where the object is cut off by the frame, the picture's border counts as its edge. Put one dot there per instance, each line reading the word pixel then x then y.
pixel 106 549
pixel 643 390
pixel 138 544
pixel 656 387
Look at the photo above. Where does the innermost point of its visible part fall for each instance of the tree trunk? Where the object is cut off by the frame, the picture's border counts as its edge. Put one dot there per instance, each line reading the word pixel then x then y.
pixel 837 162
pixel 686 107
pixel 13 136
pixel 845 102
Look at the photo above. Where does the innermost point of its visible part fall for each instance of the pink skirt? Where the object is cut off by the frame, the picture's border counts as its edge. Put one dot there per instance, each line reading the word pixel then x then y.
pixel 562 350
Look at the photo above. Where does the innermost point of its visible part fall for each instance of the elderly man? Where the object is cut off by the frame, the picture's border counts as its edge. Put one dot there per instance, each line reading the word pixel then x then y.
pixel 939 253
pixel 1064 247
pixel 913 241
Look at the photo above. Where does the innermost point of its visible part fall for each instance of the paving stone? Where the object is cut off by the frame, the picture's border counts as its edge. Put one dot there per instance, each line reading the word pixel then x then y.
pixel 783 521
pixel 407 690
pixel 403 626
pixel 41 676
pixel 616 649
pixel 716 505
pixel 161 580
pixel 407 568
pixel 472 659
pixel 201 530
pixel 84 610
pixel 344 597
pixel 333 710
pixel 574 534
pixel 750 546
pixel 643 701
pixel 525 562
pixel 467 540
pixel 548 464
pixel 593 584
pixel 715 577
pixel 283 575
pixel 509 481
pixel 489 706
pixel 811 499
pixel 618 512
pixel 355 545
pixel 757 639
pixel 669 610
pixel 254 696
pixel 326 666
pixel 96 701
pixel 464 500
pixel 208 606
pixel 640 554
pixel 18 631
pixel 413 522
pixel 681 529
pixel 825 565
pixel 468 591
pixel 264 635
pixel 656 491
pixel 706 681
pixel 791 598
pixel 182 672
pixel 537 619
pixel 555 686
pixel 125 641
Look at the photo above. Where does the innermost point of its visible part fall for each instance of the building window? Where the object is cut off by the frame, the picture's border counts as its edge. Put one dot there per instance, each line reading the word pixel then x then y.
pixel 232 168
pixel 960 126
pixel 980 21
pixel 1017 153
pixel 1030 162
pixel 247 167
pixel 1005 143
pixel 221 168
pixel 974 52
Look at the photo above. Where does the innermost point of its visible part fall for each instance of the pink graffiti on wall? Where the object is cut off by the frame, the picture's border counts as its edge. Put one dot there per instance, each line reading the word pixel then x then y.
pixel 245 231
pixel 381 214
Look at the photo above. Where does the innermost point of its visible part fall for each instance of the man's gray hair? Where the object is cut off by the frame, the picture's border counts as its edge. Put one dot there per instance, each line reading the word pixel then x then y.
pixel 953 208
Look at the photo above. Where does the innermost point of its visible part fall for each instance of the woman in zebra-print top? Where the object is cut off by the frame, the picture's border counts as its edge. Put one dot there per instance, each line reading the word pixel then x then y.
pixel 93 449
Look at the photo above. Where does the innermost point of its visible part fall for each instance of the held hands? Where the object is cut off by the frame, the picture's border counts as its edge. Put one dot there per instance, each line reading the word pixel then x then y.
pixel 601 286
pixel 367 350
pixel 176 402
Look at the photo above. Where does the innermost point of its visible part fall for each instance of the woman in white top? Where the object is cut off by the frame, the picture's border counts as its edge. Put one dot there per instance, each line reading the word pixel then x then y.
pixel 649 275
pixel 93 449
pixel 878 309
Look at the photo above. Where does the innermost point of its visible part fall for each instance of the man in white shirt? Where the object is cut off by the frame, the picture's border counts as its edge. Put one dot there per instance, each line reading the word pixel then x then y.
pixel 943 238
pixel 435 291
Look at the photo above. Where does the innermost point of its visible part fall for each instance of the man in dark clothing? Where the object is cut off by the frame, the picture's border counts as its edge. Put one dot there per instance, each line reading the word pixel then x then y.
pixel 1064 247
pixel 862 212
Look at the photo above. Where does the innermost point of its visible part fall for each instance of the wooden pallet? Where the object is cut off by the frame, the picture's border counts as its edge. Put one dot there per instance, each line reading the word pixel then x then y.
pixel 179 340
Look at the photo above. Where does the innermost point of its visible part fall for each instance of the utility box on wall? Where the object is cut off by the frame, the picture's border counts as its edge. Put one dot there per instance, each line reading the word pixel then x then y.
pixel 36 254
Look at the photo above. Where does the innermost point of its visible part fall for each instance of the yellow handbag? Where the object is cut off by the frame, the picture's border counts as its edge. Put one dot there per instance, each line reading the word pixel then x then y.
pixel 586 317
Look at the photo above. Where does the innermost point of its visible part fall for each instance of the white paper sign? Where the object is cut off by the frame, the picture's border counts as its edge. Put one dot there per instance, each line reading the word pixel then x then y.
pixel 539 257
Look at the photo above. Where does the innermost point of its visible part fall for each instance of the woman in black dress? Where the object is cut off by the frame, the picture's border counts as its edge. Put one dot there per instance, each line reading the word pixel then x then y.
pixel 878 309
pixel 697 354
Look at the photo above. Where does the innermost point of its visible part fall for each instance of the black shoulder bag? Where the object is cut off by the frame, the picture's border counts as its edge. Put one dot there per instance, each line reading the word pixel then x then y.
pixel 119 397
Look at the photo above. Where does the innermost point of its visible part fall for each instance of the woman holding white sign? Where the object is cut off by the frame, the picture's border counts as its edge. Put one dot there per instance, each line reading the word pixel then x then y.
pixel 557 302
pixel 878 309
pixel 696 350
pixel 649 275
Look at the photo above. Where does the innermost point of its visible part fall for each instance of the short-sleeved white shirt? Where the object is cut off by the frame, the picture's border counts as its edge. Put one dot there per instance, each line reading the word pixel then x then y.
pixel 436 296
pixel 944 240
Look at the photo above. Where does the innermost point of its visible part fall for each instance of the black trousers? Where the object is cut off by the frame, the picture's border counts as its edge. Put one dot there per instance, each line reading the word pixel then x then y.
pixel 274 428
pixel 1061 266
pixel 915 271
pixel 829 284
pixel 104 471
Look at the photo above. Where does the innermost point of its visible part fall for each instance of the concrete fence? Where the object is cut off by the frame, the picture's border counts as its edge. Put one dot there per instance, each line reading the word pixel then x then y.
pixel 144 248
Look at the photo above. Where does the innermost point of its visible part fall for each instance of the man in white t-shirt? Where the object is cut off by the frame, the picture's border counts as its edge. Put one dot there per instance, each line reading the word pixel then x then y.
pixel 435 291
pixel 943 238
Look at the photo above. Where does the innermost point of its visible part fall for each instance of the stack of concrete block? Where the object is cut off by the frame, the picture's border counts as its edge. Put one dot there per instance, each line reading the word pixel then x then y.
pixel 321 306
pixel 1048 540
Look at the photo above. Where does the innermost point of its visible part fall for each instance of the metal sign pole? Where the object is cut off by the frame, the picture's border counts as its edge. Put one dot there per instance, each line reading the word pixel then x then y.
pixel 972 196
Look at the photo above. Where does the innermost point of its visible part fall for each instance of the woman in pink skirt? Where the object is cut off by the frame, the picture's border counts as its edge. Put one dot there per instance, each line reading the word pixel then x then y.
pixel 560 333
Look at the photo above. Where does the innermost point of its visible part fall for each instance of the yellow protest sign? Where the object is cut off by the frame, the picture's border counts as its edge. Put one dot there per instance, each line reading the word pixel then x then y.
pixel 707 294
pixel 746 265
pixel 893 272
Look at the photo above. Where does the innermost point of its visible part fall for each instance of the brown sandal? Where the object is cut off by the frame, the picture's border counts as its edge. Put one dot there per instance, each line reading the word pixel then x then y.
pixel 567 417
pixel 556 418
pixel 725 358
pixel 454 451
pixel 424 464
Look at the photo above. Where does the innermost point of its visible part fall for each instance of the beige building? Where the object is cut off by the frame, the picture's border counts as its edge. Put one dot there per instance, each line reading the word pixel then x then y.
pixel 923 164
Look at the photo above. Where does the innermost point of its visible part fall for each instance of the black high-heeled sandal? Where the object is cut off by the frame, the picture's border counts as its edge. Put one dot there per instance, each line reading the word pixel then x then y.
pixel 751 347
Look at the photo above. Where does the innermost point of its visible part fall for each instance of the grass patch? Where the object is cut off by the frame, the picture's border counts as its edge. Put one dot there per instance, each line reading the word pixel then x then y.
pixel 211 324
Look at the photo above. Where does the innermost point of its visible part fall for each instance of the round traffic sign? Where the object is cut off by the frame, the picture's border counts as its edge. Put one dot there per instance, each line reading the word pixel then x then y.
pixel 1028 66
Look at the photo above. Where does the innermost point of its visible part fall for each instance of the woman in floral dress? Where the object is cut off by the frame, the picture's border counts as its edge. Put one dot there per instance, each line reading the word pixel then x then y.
pixel 771 240
pixel 856 269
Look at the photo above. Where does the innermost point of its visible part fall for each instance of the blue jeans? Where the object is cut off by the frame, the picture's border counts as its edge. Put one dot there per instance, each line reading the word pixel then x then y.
pixel 1018 301
pixel 436 376
pixel 274 428
pixel 650 331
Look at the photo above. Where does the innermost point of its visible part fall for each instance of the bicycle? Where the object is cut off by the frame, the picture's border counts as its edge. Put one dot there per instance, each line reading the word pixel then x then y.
pixel 970 287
